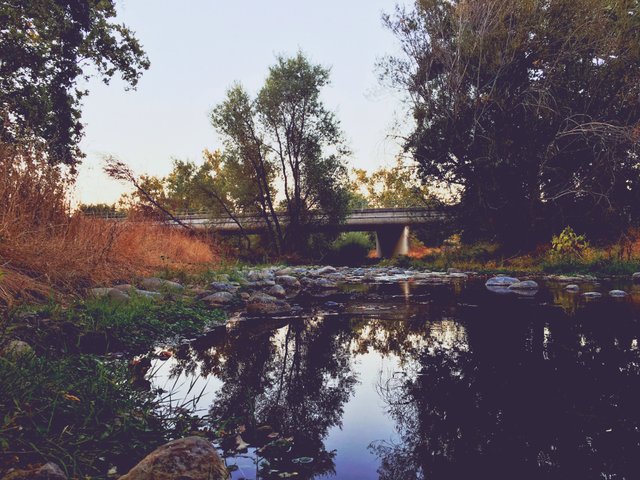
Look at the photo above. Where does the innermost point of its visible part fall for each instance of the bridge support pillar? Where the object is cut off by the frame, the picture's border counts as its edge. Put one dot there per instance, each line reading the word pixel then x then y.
pixel 392 240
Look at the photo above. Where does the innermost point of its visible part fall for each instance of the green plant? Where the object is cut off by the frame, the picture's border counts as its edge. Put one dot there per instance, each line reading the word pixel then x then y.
pixel 350 248
pixel 568 243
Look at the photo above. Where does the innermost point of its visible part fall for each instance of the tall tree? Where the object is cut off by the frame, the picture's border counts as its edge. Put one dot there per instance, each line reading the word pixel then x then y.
pixel 531 108
pixel 46 46
pixel 286 137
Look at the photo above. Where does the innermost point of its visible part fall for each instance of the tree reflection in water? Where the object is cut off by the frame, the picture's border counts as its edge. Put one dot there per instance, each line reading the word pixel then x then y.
pixel 487 386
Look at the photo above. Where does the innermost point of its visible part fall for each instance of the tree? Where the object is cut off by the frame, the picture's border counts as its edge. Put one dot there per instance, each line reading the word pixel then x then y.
pixel 394 187
pixel 530 108
pixel 286 137
pixel 46 46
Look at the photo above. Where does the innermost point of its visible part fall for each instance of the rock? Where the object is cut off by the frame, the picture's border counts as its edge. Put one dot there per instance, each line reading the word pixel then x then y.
pixel 259 275
pixel 125 287
pixel 192 457
pixel 277 291
pixel 573 288
pixel 16 349
pixel 288 281
pixel 321 284
pixel 591 294
pixel 324 270
pixel 525 285
pixel 114 294
pixel 48 471
pixel 287 271
pixel 159 284
pixel 219 298
pixel 148 294
pixel 453 270
pixel 263 304
pixel 331 305
pixel 457 275
pixel 618 293
pixel 501 281
pixel 223 287
pixel 636 277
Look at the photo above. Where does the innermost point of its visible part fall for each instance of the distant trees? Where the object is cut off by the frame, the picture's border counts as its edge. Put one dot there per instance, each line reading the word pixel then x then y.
pixel 530 108
pixel 46 46
pixel 287 149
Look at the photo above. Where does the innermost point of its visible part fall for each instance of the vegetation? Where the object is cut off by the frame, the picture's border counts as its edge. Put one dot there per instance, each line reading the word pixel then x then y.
pixel 529 110
pixel 351 248
pixel 46 47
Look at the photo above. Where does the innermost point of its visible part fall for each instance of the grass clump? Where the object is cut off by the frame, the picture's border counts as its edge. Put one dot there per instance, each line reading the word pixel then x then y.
pixel 80 412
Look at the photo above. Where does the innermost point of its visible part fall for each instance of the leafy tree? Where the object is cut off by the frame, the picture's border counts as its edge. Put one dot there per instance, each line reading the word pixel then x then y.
pixel 394 187
pixel 286 137
pixel 46 46
pixel 530 108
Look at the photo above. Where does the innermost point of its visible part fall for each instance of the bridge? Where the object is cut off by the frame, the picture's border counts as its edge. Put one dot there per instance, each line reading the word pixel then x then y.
pixel 391 225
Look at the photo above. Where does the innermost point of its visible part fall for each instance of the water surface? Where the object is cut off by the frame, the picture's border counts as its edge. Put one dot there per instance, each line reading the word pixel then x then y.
pixel 416 381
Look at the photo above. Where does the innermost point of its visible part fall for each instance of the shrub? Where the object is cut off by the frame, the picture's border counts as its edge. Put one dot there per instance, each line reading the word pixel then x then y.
pixel 568 243
pixel 351 248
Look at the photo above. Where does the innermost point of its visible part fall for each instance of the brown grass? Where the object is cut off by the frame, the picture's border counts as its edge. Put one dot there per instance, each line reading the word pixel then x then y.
pixel 44 250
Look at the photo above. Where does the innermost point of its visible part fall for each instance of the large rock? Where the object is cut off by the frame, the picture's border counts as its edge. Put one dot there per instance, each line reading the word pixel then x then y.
pixel 288 281
pixel 572 287
pixel 284 271
pixel 263 304
pixel 636 277
pixel 48 471
pixel 525 285
pixel 501 281
pixel 259 275
pixel 159 284
pixel 618 293
pixel 324 270
pixel 218 299
pixel 277 291
pixel 192 458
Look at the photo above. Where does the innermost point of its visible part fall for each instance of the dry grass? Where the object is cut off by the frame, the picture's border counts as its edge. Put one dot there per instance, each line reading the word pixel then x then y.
pixel 44 250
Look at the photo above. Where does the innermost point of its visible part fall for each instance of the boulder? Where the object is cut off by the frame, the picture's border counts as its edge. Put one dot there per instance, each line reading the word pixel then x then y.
pixel 263 304
pixel 636 277
pixel 525 285
pixel 572 287
pixel 618 293
pixel 277 291
pixel 288 281
pixel 501 281
pixel 286 271
pixel 219 298
pixel 16 349
pixel 159 284
pixel 259 275
pixel 192 457
pixel 48 471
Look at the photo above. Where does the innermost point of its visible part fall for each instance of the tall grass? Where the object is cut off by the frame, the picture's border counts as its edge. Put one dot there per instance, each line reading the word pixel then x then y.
pixel 45 249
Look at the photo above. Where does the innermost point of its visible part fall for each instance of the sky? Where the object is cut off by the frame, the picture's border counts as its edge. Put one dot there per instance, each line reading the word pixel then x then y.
pixel 199 48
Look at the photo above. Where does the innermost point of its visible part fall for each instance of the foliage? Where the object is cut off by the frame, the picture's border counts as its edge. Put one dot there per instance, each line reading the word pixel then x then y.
pixel 568 243
pixel 530 109
pixel 350 248
pixel 46 46
pixel 286 136
pixel 394 187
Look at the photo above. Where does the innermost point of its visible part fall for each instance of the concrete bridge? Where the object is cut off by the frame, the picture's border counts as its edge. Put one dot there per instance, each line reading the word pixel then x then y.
pixel 391 225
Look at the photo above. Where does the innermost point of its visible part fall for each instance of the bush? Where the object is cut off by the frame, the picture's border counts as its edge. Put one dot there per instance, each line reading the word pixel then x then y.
pixel 350 248
pixel 568 244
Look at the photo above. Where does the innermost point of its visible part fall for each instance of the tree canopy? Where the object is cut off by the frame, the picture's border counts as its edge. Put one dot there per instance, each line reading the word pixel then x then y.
pixel 46 47
pixel 289 148
pixel 530 108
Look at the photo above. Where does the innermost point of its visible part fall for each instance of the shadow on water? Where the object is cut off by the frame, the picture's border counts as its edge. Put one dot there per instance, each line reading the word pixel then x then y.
pixel 429 381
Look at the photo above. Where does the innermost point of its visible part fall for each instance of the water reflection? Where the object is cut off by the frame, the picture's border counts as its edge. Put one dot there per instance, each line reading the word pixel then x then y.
pixel 473 384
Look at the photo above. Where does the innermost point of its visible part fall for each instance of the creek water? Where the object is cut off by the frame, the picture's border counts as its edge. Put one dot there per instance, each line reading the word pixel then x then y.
pixel 440 381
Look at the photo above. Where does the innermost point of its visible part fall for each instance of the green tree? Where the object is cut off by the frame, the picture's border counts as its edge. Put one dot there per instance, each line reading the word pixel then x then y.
pixel 46 47
pixel 530 108
pixel 286 137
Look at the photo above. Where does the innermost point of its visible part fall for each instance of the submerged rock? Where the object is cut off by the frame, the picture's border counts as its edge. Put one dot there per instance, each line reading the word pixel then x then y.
pixel 592 295
pixel 618 293
pixel 192 457
pixel 525 285
pixel 573 288
pixel 501 281
pixel 263 304
pixel 159 284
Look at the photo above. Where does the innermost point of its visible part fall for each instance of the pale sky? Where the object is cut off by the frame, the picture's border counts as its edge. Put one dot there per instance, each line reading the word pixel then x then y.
pixel 198 48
